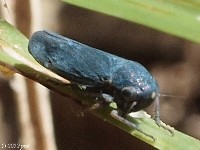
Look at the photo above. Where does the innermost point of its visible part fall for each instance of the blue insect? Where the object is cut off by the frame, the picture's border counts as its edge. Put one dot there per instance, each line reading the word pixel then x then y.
pixel 112 78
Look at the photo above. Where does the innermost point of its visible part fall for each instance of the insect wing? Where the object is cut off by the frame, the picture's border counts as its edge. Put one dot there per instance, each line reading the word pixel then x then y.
pixel 72 60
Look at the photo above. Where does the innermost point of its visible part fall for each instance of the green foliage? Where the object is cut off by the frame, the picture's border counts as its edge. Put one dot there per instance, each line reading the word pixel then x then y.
pixel 178 17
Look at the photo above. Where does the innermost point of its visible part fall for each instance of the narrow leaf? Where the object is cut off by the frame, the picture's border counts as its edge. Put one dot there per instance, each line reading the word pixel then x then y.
pixel 178 17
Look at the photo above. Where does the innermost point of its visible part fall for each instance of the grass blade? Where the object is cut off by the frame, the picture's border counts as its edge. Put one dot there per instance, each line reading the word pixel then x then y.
pixel 178 17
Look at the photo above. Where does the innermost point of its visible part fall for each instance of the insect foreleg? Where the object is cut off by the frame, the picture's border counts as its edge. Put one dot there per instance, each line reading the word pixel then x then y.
pixel 115 114
pixel 156 117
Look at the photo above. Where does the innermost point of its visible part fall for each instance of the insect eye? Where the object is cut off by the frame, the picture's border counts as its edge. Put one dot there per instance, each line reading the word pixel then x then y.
pixel 129 92
pixel 126 93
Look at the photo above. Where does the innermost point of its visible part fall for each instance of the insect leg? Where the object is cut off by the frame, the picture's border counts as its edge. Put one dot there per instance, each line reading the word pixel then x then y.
pixel 115 114
pixel 157 117
pixel 102 100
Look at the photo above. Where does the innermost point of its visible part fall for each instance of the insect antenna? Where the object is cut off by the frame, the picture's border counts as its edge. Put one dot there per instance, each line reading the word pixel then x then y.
pixel 171 96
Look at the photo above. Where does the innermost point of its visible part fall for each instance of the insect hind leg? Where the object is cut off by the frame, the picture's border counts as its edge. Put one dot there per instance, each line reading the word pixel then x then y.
pixel 102 100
